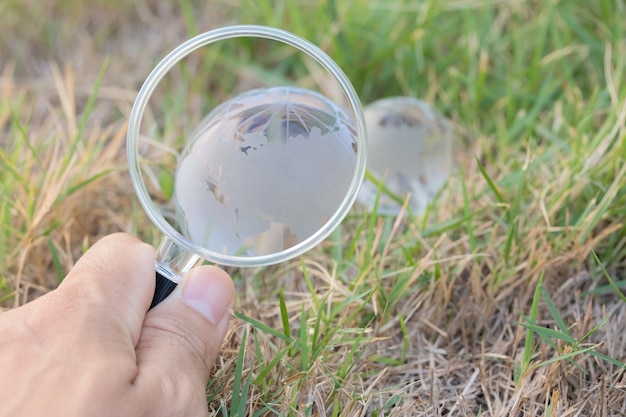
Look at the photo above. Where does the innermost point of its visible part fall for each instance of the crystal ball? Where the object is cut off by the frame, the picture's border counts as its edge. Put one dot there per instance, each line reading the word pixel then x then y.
pixel 264 171
pixel 409 150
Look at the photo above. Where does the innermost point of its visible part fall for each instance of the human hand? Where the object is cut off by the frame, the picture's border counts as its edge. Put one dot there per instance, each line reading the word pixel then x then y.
pixel 89 348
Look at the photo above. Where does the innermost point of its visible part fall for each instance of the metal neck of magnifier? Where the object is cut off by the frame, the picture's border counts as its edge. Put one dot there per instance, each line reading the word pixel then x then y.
pixel 172 263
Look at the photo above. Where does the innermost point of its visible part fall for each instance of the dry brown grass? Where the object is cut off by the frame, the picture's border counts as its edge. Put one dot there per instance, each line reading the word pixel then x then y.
pixel 417 317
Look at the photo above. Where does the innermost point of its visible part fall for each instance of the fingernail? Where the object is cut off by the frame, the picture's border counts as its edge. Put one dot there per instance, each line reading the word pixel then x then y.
pixel 210 292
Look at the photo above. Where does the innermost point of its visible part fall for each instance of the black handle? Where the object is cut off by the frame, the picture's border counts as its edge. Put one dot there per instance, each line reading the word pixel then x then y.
pixel 164 287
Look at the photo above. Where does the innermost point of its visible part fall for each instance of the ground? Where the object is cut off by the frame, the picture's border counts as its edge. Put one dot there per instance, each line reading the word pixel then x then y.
pixel 502 299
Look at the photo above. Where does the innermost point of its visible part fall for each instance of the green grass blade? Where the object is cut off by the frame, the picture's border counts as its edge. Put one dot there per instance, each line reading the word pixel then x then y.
pixel 530 334
pixel 492 185
pixel 238 399
pixel 612 283
pixel 262 327
pixel 283 314
pixel 554 311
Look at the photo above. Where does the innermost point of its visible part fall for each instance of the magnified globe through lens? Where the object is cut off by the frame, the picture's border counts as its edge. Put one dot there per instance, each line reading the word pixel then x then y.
pixel 264 177
pixel 265 171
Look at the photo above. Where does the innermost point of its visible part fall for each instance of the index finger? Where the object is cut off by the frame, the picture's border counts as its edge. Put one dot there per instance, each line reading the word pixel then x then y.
pixel 113 282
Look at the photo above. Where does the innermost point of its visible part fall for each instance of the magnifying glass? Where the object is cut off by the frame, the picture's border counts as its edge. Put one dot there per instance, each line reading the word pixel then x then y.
pixel 265 176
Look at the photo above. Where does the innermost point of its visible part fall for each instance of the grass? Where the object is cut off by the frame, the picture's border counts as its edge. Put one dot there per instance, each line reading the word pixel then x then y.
pixel 502 299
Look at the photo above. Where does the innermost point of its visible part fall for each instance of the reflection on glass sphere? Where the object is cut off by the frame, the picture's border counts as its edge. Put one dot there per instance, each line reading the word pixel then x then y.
pixel 264 171
pixel 409 149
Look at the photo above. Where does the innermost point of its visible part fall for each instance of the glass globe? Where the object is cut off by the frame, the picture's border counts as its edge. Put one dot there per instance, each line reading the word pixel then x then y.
pixel 409 149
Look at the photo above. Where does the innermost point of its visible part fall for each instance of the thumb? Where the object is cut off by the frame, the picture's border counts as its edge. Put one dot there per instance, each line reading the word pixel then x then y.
pixel 181 338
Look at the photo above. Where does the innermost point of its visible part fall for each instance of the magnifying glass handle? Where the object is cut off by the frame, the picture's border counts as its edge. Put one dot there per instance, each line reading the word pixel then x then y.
pixel 164 287
pixel 173 261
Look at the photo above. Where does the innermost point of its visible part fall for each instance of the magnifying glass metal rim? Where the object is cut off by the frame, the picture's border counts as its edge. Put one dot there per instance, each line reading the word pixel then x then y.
pixel 163 68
